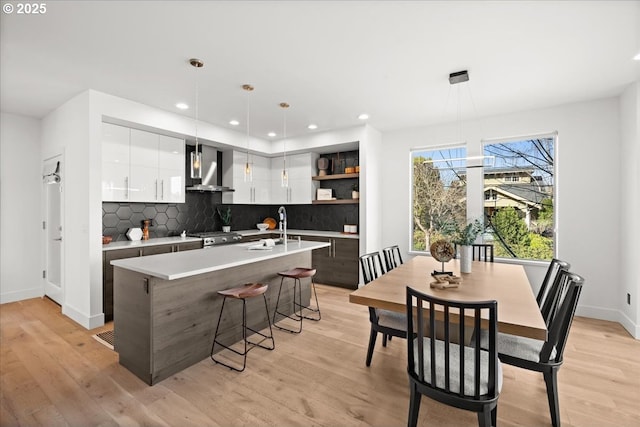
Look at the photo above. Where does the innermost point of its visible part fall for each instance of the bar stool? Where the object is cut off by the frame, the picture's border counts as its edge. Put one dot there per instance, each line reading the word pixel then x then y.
pixel 296 274
pixel 250 290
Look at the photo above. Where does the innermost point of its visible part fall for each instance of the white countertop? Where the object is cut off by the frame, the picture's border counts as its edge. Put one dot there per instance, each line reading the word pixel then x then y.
pixel 178 265
pixel 295 232
pixel 151 242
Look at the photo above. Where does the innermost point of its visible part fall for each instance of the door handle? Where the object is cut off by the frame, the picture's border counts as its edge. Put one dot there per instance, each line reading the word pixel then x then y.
pixel 59 239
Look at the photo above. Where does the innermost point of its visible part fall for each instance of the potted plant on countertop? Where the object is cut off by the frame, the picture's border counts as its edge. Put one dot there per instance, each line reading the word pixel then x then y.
pixel 464 238
pixel 225 217
pixel 355 193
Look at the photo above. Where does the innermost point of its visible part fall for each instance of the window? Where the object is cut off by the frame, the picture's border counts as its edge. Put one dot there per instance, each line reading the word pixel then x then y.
pixel 520 218
pixel 517 191
pixel 439 192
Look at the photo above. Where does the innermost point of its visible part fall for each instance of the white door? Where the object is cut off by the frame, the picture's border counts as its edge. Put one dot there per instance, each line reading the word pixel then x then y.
pixel 53 220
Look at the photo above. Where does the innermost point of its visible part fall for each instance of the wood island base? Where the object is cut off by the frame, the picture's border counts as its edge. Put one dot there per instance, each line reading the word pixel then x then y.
pixel 164 326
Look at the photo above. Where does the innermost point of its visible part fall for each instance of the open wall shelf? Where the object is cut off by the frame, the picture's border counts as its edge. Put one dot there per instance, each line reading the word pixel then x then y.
pixel 335 202
pixel 336 176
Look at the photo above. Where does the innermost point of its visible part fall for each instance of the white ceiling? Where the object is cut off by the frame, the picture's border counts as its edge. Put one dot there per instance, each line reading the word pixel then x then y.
pixel 330 60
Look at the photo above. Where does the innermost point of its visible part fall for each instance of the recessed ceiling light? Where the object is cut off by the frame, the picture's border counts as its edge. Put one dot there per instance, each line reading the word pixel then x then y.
pixel 363 116
pixel 637 57
pixel 271 134
pixel 234 123
pixel 312 126
pixel 182 106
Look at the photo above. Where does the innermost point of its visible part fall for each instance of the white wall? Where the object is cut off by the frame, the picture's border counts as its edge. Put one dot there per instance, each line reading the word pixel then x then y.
pixel 20 208
pixel 629 214
pixel 66 130
pixel 588 182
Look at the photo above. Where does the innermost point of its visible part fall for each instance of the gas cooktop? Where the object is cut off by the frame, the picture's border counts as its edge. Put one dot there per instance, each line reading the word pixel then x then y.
pixel 210 238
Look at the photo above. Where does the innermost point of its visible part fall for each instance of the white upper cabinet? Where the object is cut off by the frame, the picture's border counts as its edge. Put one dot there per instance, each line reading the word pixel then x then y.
pixel 171 169
pixel 301 189
pixel 143 185
pixel 256 191
pixel 115 163
pixel 153 170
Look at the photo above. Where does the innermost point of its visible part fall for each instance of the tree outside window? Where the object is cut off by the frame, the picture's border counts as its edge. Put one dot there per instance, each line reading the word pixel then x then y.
pixel 439 193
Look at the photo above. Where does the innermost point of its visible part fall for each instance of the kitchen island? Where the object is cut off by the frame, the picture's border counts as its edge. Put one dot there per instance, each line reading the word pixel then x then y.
pixel 166 306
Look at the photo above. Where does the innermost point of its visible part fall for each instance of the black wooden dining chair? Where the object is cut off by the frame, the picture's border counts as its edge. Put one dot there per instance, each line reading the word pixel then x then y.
pixel 482 252
pixel 551 277
pixel 388 323
pixel 450 372
pixel 479 251
pixel 392 257
pixel 546 356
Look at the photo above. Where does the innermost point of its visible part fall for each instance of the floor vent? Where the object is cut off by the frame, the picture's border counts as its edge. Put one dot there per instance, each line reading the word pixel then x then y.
pixel 105 338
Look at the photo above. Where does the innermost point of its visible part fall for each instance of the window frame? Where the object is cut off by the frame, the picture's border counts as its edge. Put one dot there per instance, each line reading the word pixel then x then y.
pixel 479 193
pixel 556 204
pixel 455 145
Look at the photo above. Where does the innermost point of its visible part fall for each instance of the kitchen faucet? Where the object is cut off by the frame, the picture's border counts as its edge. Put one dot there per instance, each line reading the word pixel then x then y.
pixel 283 224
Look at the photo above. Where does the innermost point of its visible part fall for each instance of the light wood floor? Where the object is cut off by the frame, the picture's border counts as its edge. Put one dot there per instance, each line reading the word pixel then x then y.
pixel 53 373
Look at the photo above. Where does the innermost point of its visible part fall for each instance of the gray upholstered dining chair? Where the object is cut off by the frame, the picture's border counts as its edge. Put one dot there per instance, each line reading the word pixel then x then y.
pixel 388 323
pixel 466 377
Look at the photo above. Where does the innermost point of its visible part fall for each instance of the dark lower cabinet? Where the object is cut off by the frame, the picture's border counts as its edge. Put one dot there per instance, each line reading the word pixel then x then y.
pixel 107 268
pixel 336 265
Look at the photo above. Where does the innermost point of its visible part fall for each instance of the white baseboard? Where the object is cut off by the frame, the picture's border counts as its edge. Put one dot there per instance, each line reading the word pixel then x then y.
pixel 632 328
pixel 21 295
pixel 611 315
pixel 88 322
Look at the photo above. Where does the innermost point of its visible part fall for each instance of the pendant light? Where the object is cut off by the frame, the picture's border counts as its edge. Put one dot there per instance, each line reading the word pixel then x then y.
pixel 248 170
pixel 196 156
pixel 284 175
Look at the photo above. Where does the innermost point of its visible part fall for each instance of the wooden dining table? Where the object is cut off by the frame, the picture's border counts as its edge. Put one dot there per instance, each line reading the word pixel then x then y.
pixel 518 312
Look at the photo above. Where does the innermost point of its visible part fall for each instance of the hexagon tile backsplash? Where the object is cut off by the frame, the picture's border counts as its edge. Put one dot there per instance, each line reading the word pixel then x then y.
pixel 198 213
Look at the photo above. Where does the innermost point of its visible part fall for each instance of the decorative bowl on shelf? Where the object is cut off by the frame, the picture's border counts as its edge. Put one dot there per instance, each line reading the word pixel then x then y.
pixel 106 240
pixel 262 226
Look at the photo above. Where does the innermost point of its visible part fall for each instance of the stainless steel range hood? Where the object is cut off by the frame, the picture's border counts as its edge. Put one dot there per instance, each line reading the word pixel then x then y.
pixel 211 175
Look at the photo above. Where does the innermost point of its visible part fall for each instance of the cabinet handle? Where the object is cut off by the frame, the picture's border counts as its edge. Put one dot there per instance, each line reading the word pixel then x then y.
pixel 156 190
pixel 126 187
pixel 140 252
pixel 162 190
pixel 334 247
pixel 146 285
pixel 330 248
